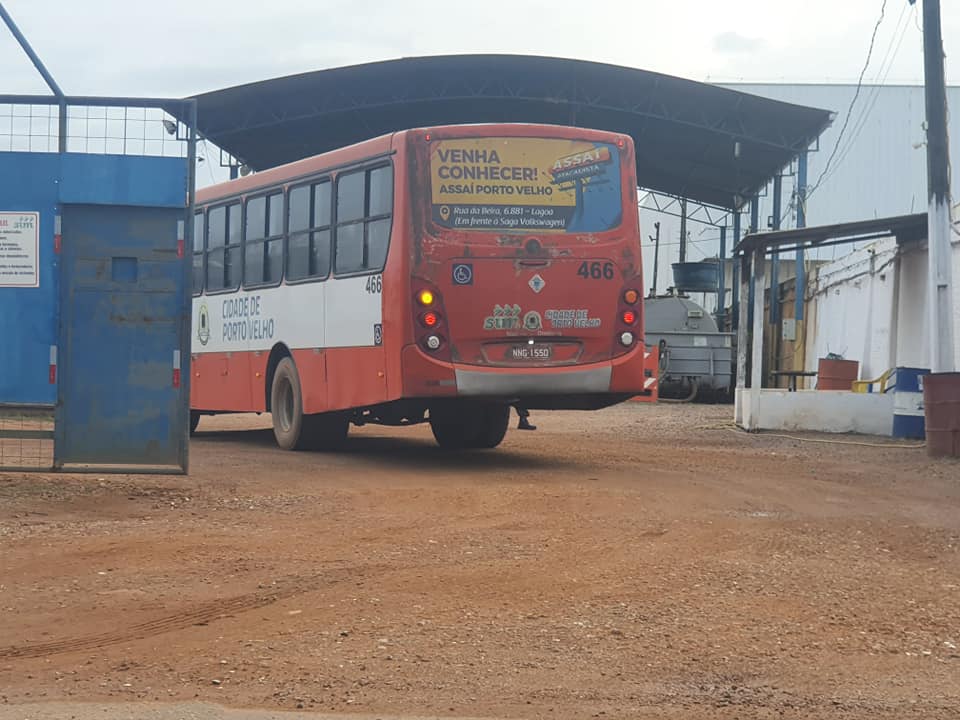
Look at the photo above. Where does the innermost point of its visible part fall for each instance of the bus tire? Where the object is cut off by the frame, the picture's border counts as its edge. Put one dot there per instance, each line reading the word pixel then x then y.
pixel 469 427
pixel 326 431
pixel 286 405
pixel 194 421
pixel 492 428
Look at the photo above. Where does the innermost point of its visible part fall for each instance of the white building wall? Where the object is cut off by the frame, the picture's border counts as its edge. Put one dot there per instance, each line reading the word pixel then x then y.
pixel 851 309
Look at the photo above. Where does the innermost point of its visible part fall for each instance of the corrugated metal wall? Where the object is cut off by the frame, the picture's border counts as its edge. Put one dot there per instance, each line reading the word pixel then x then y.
pixel 876 172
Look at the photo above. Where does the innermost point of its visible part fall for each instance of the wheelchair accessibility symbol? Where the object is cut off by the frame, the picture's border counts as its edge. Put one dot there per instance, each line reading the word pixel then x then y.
pixel 463 274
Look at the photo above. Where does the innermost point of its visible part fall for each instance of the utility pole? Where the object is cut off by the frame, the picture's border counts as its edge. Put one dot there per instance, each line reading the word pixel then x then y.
pixel 656 258
pixel 939 222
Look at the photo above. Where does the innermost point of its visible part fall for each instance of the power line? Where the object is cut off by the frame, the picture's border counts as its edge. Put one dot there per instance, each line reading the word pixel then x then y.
pixel 874 92
pixel 886 65
pixel 856 94
pixel 689 242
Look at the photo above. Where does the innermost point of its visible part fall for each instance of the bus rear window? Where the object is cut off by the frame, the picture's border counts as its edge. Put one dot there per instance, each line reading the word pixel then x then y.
pixel 525 184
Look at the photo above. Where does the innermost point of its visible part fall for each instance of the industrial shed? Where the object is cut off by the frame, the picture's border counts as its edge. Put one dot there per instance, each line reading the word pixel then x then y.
pixel 708 144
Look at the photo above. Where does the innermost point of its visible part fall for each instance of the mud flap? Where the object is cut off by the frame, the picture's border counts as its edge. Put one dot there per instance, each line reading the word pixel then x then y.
pixel 651 375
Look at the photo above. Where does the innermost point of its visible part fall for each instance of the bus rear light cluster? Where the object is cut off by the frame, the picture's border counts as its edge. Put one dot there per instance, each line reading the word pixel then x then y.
pixel 430 324
pixel 629 314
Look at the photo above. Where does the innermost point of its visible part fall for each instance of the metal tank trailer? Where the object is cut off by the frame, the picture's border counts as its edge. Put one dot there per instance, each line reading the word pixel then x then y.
pixel 696 359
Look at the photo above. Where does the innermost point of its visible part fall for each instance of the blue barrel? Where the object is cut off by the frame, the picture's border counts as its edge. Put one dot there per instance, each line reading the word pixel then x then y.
pixel 908 419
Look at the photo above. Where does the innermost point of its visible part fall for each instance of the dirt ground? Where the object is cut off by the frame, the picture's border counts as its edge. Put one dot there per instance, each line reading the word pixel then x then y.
pixel 644 561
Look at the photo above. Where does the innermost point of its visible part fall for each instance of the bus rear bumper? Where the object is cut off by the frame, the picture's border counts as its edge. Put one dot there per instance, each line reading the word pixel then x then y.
pixel 500 382
pixel 632 374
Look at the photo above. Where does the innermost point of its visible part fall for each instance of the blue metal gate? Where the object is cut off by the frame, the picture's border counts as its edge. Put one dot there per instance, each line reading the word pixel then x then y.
pixel 121 332
pixel 95 284
pixel 96 206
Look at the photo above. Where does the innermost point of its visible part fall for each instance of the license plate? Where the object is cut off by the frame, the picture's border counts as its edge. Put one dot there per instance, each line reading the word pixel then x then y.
pixel 530 352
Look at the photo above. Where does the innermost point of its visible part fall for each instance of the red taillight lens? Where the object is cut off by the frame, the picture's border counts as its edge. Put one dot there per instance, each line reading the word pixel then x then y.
pixel 629 317
pixel 429 319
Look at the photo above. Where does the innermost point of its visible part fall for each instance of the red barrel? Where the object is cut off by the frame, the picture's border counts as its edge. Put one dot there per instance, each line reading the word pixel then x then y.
pixel 941 407
pixel 837 374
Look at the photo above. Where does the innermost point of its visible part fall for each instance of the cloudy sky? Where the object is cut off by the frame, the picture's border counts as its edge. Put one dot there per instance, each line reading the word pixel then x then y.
pixel 180 47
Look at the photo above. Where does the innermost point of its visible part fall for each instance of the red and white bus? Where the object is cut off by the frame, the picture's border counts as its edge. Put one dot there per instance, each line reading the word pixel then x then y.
pixel 439 275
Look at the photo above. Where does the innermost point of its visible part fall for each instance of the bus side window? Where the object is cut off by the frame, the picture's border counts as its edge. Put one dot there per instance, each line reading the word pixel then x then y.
pixel 379 209
pixel 216 239
pixel 364 206
pixel 308 245
pixel 273 248
pixel 223 248
pixel 198 238
pixel 254 226
pixel 263 240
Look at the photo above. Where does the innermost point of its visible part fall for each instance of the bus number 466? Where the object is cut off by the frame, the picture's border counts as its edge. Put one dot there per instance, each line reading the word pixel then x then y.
pixel 596 270
pixel 375 284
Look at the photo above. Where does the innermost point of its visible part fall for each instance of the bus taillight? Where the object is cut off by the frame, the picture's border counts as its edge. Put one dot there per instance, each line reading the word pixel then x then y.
pixel 429 328
pixel 629 325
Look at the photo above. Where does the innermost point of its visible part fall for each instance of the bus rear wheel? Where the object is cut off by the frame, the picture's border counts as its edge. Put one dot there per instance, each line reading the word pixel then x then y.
pixel 469 427
pixel 293 429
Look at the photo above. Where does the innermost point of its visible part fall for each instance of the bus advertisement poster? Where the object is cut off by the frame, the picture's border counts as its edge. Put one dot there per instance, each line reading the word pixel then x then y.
pixel 527 184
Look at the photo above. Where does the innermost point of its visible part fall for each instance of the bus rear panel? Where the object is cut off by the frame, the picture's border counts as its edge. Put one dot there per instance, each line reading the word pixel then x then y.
pixel 526 274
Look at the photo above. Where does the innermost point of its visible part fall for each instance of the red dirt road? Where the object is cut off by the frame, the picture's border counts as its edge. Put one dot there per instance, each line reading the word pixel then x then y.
pixel 637 562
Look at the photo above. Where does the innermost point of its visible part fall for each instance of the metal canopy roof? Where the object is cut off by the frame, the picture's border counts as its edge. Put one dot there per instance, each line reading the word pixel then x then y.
pixel 686 133
pixel 905 228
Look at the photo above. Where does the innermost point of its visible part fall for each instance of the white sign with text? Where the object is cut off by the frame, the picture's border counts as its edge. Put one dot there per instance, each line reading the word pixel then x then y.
pixel 20 249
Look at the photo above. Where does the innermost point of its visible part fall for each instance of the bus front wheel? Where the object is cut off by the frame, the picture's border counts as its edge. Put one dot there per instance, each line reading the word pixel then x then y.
pixel 475 427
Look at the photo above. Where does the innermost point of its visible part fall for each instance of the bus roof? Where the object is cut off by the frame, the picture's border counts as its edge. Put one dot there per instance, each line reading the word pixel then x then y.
pixel 298 169
pixel 375 147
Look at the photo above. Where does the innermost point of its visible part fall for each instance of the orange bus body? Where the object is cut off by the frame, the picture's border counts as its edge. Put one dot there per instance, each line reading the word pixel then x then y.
pixel 526 310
